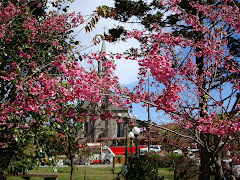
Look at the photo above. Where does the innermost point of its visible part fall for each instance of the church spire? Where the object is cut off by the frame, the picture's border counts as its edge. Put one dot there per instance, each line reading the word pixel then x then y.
pixel 100 63
pixel 103 49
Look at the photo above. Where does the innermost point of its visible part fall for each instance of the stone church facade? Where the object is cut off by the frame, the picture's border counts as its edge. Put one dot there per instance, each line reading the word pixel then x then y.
pixel 102 128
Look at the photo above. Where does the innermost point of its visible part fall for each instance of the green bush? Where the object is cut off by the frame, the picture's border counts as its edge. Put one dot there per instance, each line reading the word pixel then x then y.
pixel 164 161
pixel 143 168
pixel 146 167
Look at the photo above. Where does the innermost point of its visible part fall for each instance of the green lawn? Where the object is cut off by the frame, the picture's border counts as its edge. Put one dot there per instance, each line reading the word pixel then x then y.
pixel 104 173
pixel 168 172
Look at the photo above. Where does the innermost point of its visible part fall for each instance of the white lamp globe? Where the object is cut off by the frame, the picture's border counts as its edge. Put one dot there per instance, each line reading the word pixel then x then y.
pixel 130 135
pixel 119 114
pixel 136 130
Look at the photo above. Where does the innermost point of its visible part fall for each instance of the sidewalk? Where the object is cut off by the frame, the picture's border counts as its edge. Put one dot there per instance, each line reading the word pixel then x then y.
pixel 90 165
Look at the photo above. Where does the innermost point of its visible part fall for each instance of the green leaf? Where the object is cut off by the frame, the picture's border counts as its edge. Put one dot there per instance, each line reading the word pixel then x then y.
pixel 223 116
pixel 206 96
pixel 25 46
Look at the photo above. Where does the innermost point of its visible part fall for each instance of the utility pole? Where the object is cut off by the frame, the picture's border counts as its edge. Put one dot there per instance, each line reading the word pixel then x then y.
pixel 148 110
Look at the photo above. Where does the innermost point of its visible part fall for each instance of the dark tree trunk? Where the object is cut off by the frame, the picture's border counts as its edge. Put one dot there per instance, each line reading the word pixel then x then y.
pixel 205 172
pixel 218 166
pixel 72 168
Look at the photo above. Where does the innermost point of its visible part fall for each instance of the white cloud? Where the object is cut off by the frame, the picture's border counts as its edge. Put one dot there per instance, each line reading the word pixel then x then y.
pixel 86 7
pixel 127 70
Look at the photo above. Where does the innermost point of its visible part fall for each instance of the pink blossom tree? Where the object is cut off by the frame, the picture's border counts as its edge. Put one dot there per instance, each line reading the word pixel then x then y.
pixel 42 77
pixel 196 77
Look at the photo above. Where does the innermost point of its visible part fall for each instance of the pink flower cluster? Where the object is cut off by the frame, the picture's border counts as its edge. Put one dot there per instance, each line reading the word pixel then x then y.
pixel 45 83
pixel 6 14
pixel 218 126
pixel 173 71
pixel 136 34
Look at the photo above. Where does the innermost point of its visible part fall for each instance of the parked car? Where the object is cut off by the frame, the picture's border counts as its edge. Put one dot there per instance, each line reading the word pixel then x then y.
pixel 178 151
pixel 157 148
pixel 143 151
pixel 104 157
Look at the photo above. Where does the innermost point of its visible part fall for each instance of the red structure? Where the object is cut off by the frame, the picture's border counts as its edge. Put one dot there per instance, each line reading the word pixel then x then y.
pixel 120 150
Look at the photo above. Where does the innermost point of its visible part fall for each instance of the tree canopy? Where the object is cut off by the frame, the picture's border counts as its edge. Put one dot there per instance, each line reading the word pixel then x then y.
pixel 192 53
pixel 42 75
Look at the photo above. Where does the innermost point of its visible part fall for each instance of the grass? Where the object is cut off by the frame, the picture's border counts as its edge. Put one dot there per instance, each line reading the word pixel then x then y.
pixel 104 173
pixel 168 172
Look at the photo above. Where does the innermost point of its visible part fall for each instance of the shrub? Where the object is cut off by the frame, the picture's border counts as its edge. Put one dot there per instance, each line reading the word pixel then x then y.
pixel 146 167
pixel 143 168
pixel 164 161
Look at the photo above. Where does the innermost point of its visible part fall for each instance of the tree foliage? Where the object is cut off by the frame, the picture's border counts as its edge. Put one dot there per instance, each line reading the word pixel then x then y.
pixel 41 77
pixel 192 54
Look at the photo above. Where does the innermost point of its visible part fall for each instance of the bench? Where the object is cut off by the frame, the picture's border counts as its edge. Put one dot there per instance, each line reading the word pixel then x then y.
pixel 46 176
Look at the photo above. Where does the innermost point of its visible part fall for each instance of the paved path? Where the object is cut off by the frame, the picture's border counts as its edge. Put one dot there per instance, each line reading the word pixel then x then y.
pixel 90 165
pixel 96 165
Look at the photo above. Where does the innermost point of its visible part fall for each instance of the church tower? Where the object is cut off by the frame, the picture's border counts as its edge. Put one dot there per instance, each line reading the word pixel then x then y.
pixel 101 69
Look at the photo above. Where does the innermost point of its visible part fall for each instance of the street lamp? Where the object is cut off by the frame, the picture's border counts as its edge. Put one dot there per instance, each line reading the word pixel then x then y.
pixel 136 132
pixel 126 124
pixel 131 136
pixel 119 115
pixel 124 168
pixel 126 152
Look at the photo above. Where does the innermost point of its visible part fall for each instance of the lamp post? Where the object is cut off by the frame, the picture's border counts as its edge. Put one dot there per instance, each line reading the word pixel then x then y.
pixel 136 132
pixel 131 136
pixel 125 167
pixel 126 151
pixel 126 128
